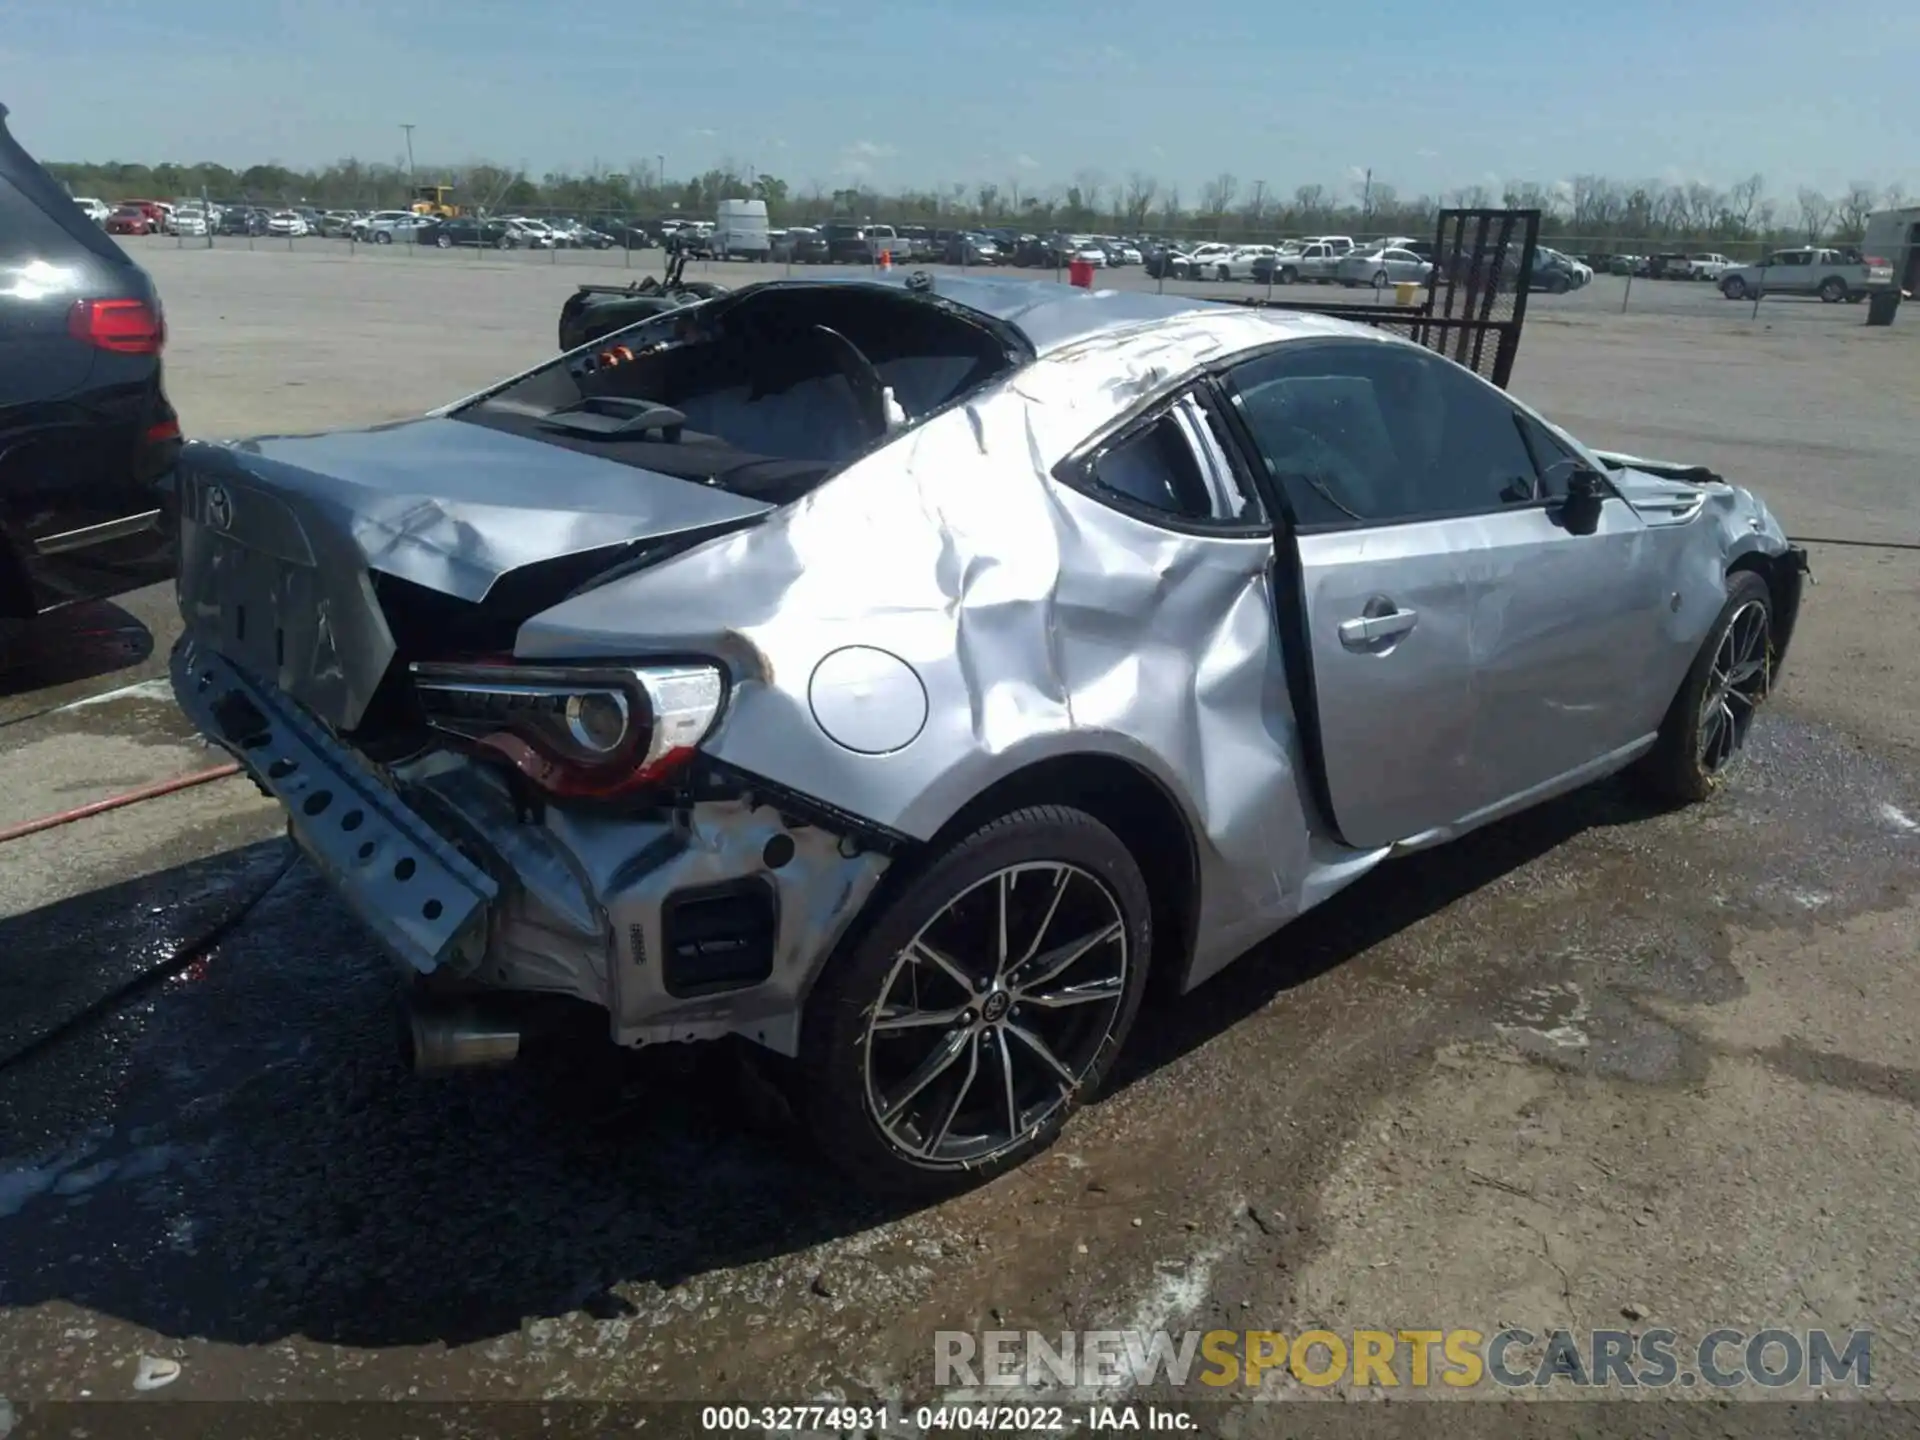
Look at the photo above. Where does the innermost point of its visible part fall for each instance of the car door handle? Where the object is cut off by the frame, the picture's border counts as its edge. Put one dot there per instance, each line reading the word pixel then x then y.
pixel 1365 630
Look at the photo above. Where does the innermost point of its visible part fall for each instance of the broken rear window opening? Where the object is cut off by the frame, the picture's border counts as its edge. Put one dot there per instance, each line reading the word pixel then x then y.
pixel 765 393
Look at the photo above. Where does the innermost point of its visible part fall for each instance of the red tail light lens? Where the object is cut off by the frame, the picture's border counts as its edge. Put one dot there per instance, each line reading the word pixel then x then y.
pixel 126 327
pixel 577 733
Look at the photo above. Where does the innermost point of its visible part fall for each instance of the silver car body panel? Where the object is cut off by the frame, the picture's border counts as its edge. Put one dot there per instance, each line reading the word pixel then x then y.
pixel 447 506
pixel 944 613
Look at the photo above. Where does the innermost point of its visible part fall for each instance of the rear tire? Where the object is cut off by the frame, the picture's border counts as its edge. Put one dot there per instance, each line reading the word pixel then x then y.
pixel 1734 288
pixel 1832 290
pixel 1289 275
pixel 950 1088
pixel 1704 735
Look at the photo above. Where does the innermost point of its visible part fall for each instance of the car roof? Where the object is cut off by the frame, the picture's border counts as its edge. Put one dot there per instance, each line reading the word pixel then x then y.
pixel 1048 314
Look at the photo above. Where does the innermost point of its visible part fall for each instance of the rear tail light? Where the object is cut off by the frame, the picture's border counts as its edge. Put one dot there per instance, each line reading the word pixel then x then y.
pixel 583 733
pixel 126 327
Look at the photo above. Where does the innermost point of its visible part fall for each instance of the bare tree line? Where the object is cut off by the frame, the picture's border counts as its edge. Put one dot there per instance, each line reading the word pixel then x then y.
pixel 1595 209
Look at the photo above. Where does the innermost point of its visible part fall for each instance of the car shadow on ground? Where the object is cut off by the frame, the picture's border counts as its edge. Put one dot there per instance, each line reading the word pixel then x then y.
pixel 1381 904
pixel 66 646
pixel 244 1159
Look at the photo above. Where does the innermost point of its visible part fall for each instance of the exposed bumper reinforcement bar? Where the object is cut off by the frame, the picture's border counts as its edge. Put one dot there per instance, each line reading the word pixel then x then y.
pixel 425 900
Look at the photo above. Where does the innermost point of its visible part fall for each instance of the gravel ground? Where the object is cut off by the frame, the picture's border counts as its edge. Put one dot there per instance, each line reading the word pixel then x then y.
pixel 1587 1063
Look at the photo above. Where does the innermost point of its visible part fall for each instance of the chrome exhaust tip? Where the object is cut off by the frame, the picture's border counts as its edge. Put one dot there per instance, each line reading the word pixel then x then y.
pixel 434 1039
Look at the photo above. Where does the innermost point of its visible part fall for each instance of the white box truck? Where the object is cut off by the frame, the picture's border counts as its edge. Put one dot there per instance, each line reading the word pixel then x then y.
pixel 740 231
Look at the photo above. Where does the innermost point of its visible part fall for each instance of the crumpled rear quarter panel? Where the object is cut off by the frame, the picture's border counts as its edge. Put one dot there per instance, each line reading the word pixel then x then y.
pixel 1039 621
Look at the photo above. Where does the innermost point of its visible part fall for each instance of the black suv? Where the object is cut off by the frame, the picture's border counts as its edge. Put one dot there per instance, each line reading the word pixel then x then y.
pixel 87 438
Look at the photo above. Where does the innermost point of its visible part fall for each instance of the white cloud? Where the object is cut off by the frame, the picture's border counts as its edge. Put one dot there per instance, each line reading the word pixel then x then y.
pixel 1026 162
pixel 1159 152
pixel 1428 154
pixel 703 134
pixel 857 159
pixel 1563 189
pixel 1357 173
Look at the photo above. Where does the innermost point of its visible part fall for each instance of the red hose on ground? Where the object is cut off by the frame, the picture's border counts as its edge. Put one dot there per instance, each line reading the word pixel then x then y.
pixel 114 802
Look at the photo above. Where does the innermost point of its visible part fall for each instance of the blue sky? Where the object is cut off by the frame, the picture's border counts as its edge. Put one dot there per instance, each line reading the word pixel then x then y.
pixel 1432 96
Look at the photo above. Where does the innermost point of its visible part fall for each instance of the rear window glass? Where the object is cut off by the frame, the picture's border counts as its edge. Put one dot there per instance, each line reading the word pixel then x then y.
pixel 28 233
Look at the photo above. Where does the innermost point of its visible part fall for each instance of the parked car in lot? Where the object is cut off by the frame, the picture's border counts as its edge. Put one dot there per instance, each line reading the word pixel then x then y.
pixel 626 235
pixel 129 220
pixel 1557 273
pixel 383 227
pixel 158 216
pixel 1240 262
pixel 782 244
pixel 973 248
pixel 242 220
pixel 916 243
pixel 286 222
pixel 1389 265
pixel 1832 274
pixel 530 234
pixel 466 230
pixel 191 222
pixel 1893 238
pixel 87 437
pixel 846 243
pixel 662 683
pixel 1199 262
pixel 95 210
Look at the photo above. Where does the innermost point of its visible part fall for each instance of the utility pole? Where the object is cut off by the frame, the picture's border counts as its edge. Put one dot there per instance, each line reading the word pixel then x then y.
pixel 1366 195
pixel 1259 195
pixel 411 175
pixel 660 174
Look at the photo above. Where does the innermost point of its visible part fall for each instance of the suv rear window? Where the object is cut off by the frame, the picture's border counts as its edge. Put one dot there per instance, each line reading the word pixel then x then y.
pixel 38 220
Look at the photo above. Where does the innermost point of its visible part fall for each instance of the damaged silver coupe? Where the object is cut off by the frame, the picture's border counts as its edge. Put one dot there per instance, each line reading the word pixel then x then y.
pixel 893 674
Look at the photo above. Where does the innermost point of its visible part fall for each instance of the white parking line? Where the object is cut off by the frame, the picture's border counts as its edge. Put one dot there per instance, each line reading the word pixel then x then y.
pixel 1898 818
pixel 156 689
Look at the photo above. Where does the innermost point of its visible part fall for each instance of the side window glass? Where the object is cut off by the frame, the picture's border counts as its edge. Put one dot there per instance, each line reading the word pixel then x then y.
pixel 1155 468
pixel 1553 461
pixel 1381 433
pixel 1240 502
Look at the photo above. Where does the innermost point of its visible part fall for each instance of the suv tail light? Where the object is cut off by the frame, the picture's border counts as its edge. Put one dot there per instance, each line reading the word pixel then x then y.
pixel 586 733
pixel 126 327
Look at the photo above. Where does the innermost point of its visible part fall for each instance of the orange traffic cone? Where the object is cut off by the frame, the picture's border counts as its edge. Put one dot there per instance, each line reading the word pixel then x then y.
pixel 886 259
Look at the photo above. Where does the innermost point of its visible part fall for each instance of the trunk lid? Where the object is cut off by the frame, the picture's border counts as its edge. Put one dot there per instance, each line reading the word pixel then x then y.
pixel 282 538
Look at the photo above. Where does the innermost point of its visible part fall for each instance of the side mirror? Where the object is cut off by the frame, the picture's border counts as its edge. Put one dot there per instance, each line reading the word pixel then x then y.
pixel 1586 492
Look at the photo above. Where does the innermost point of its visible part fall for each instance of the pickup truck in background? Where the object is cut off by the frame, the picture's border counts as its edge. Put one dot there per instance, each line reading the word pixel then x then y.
pixel 1707 267
pixel 1318 263
pixel 1832 274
